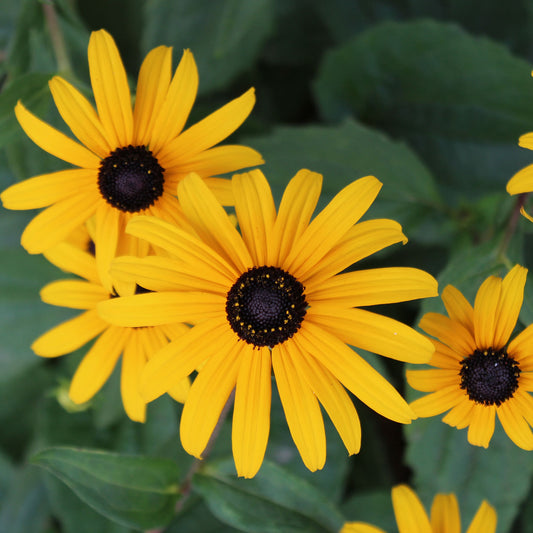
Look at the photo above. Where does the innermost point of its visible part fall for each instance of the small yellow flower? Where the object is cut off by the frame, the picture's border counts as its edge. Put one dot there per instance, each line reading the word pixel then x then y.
pixel 271 297
pixel 478 373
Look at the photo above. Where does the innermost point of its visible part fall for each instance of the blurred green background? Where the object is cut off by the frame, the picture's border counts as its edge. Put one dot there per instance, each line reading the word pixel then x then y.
pixel 430 96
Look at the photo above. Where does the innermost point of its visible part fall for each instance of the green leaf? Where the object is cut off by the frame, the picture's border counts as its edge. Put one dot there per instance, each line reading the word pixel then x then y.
pixel 373 507
pixel 135 491
pixel 225 36
pixel 273 501
pixel 349 151
pixel 461 101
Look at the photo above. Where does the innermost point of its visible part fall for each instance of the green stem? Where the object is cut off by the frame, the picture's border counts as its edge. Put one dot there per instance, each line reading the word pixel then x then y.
pixel 56 36
pixel 512 224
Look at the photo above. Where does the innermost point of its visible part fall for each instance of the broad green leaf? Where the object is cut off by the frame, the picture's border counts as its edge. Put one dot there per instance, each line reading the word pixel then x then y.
pixel 461 101
pixel 273 501
pixel 349 151
pixel 135 491
pixel 225 36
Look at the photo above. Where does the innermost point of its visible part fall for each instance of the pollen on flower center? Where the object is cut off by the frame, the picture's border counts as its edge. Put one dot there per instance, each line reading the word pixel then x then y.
pixel 489 377
pixel 131 178
pixel 266 306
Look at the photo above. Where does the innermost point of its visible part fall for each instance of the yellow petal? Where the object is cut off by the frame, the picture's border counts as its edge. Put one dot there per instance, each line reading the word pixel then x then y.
pixel 460 415
pixel 445 357
pixel 74 294
pixel 330 225
pixel 373 332
pixel 437 402
pixel 514 424
pixel 353 372
pixel 209 131
pixel 521 347
pixel 251 412
pixel 72 259
pixel 481 426
pixel 409 511
pixel 509 305
pixel 177 105
pixel 152 87
pixel 57 222
pixel 295 211
pixel 458 307
pixel 485 312
pixel 449 332
pixel 375 286
pixel 80 116
pixel 47 189
pixel 109 224
pixel 212 223
pixel 526 140
pixel 110 88
pixel 360 527
pixel 521 182
pixel 133 361
pixel 432 379
pixel 208 395
pixel 485 520
pixel 69 335
pixel 97 365
pixel 256 212
pixel 301 408
pixel 445 515
pixel 54 142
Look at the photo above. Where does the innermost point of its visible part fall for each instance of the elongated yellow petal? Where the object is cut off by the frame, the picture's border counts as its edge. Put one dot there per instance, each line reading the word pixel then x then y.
pixel 410 514
pixel 445 357
pixel 183 355
pixel 251 412
pixel 74 294
pixel 449 332
pixel 332 395
pixel 373 332
pixel 460 415
pixel 110 88
pixel 209 131
pixel 437 402
pixel 177 104
pixel 445 514
pixel 58 221
pixel 481 426
pixel 208 396
pixel 301 408
pixel 353 372
pixel 458 307
pixel 330 225
pixel 433 379
pixel 295 211
pixel 80 116
pixel 514 424
pixel 509 305
pixel 72 259
pixel 360 241
pixel 156 308
pixel 521 182
pixel 485 312
pixel 69 335
pixel 485 520
pixel 109 224
pixel 152 88
pixel 375 286
pixel 96 367
pixel 256 212
pixel 212 223
pixel 521 347
pixel 47 189
pixel 54 142
pixel 133 361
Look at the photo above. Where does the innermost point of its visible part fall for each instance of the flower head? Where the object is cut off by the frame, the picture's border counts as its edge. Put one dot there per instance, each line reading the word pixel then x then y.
pixel 477 372
pixel 271 297
pixel 130 160
pixel 445 517
pixel 135 345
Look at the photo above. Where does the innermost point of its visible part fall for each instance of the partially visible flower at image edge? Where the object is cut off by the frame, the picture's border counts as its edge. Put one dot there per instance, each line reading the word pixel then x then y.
pixel 271 297
pixel 477 372
pixel 411 516
pixel 134 345
pixel 129 160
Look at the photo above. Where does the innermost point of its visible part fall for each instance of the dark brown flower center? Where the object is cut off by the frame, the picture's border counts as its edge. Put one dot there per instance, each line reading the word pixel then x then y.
pixel 489 377
pixel 131 178
pixel 266 306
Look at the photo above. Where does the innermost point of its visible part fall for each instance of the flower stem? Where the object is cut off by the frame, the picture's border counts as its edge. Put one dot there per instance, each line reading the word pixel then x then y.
pixel 512 224
pixel 56 36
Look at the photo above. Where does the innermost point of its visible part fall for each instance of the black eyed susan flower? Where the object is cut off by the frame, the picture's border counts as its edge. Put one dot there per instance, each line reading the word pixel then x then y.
pixel 445 517
pixel 269 298
pixel 135 345
pixel 478 373
pixel 129 160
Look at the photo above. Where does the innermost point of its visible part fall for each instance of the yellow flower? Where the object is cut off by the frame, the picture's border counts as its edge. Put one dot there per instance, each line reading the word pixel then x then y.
pixel 136 345
pixel 478 373
pixel 129 161
pixel 445 517
pixel 272 297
